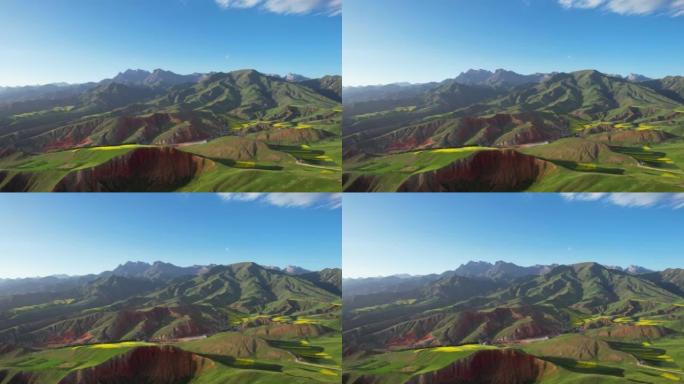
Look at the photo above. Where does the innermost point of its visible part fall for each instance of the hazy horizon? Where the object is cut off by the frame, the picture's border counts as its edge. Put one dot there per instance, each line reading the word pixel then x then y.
pixel 421 234
pixel 78 41
pixel 282 266
pixel 624 75
pixel 80 234
pixel 164 69
pixel 390 41
pixel 491 262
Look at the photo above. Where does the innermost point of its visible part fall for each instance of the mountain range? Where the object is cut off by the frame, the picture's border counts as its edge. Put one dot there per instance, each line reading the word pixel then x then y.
pixel 157 270
pixel 227 314
pixel 502 131
pixel 498 271
pixel 556 319
pixel 241 130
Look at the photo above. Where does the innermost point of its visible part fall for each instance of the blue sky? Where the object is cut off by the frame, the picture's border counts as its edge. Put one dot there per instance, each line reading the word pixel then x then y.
pixel 85 40
pixel 44 234
pixel 385 234
pixel 389 41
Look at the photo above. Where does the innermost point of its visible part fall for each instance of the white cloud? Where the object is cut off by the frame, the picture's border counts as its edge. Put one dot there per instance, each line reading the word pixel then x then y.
pixel 240 196
pixel 580 3
pixel 582 196
pixel 630 7
pixel 631 200
pixel 677 8
pixel 288 7
pixel 289 200
pixel 636 199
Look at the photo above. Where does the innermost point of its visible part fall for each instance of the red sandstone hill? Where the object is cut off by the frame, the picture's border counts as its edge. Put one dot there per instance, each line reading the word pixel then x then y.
pixel 149 169
pixel 492 171
pixel 162 365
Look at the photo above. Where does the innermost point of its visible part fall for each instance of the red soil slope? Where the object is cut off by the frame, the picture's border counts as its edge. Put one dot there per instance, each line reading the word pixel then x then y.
pixel 142 169
pixel 484 171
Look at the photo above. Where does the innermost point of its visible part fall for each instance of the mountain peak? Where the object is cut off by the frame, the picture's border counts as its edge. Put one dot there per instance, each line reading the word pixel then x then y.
pixel 294 77
pixel 637 78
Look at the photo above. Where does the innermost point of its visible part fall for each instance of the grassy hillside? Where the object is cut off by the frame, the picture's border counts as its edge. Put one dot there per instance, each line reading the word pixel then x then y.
pixel 600 133
pixel 266 133
pixel 229 324
pixel 577 323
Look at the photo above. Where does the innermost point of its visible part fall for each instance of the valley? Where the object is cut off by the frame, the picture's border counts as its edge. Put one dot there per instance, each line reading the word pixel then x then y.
pixel 241 131
pixel 501 131
pixel 158 323
pixel 504 323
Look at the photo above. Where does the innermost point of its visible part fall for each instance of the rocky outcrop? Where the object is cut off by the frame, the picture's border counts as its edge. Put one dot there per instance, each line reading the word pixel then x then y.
pixel 153 365
pixel 294 136
pixel 634 332
pixel 579 150
pixel 140 170
pixel 484 171
pixel 361 183
pixel 25 378
pixel 633 137
pixel 506 366
pixel 160 323
pixel 234 148
pixel 291 331
pixel 579 347
pixel 519 323
pixel 15 181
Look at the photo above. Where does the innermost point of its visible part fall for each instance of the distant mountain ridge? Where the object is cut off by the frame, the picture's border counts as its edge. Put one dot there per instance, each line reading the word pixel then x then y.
pixel 157 270
pixel 487 269
pixel 500 271
pixel 156 78
pixel 454 309
pixel 205 131
pixel 160 301
pixel 502 132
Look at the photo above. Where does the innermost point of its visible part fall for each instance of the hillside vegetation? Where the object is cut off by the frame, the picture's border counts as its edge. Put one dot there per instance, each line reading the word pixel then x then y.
pixel 246 131
pixel 580 131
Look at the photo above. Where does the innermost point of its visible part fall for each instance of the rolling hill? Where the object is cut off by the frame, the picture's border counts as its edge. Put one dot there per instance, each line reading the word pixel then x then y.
pixel 158 323
pixel 579 131
pixel 549 324
pixel 241 131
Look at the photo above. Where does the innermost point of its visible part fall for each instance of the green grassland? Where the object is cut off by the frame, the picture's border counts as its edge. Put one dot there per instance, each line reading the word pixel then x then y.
pixel 36 146
pixel 246 323
pixel 392 170
pixel 237 356
pixel 601 326
pixel 645 168
pixel 602 134
pixel 398 367
pixel 315 167
pixel 659 361
pixel 274 363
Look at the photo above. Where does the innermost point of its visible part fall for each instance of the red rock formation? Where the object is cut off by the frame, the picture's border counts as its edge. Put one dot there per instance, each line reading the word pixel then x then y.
pixel 502 130
pixel 650 136
pixel 167 365
pixel 506 366
pixel 634 332
pixel 362 183
pixel 140 170
pixel 294 136
pixel 148 322
pixel 11 182
pixel 25 378
pixel 484 171
pixel 291 331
